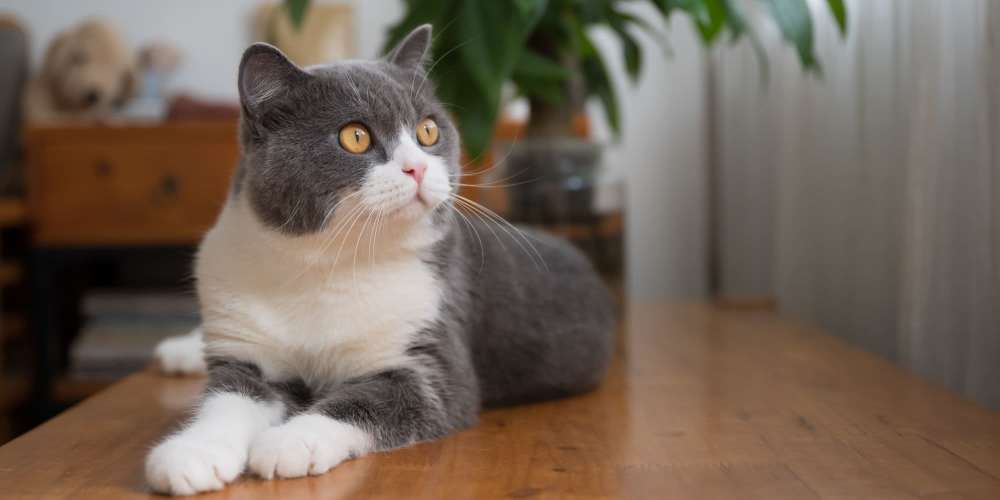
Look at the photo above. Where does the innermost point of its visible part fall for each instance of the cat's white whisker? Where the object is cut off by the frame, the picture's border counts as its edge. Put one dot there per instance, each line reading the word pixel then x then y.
pixel 501 222
pixel 336 259
pixel 486 223
pixel 482 248
pixel 354 264
pixel 380 222
pixel 291 216
pixel 328 241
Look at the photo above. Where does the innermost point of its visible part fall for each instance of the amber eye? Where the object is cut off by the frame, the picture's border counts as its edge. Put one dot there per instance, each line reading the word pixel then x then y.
pixel 427 132
pixel 354 137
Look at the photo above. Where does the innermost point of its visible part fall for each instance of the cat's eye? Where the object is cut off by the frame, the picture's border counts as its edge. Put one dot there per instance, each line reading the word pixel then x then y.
pixel 355 138
pixel 427 132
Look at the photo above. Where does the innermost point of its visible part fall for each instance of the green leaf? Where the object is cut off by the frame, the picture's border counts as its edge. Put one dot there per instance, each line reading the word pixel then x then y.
pixel 631 51
pixel 665 7
pixel 536 66
pixel 474 115
pixel 796 26
pixel 493 37
pixel 712 19
pixel 735 20
pixel 839 11
pixel 538 76
pixel 633 57
pixel 595 72
pixel 526 7
pixel 297 12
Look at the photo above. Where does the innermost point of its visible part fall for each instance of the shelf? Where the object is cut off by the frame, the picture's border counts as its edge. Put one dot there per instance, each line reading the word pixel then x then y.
pixel 13 392
pixel 10 273
pixel 13 212
pixel 12 326
pixel 606 226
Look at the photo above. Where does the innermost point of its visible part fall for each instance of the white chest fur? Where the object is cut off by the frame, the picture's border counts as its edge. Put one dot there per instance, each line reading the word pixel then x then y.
pixel 284 304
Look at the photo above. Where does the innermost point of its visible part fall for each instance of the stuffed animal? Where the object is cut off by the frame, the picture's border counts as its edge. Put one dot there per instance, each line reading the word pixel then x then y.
pixel 87 73
pixel 156 62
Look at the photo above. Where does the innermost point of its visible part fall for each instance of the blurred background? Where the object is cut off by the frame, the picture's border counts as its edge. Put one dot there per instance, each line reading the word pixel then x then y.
pixel 835 160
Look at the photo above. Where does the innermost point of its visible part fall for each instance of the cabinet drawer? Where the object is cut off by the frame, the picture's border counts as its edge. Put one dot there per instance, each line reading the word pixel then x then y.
pixel 133 194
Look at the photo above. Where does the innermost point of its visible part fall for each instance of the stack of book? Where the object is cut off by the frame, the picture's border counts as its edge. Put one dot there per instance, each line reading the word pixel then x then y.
pixel 121 330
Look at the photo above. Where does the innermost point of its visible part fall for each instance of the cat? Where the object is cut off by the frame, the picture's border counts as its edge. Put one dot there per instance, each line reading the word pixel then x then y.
pixel 348 307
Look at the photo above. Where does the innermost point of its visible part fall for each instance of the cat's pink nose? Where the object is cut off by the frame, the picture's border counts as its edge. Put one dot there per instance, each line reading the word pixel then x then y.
pixel 415 169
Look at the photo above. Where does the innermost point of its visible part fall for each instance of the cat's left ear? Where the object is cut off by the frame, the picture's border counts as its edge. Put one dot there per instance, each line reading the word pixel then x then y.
pixel 411 53
pixel 265 75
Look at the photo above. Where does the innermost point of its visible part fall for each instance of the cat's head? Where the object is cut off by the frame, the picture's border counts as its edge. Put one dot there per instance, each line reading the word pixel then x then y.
pixel 349 139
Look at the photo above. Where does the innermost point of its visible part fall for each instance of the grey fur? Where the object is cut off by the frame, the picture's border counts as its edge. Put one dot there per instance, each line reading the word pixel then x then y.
pixel 228 375
pixel 512 328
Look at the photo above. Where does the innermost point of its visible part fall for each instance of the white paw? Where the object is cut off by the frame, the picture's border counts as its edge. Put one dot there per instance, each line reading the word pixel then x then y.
pixel 183 354
pixel 186 466
pixel 307 444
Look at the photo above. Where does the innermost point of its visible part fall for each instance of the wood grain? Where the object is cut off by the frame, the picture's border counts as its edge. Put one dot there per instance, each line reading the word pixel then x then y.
pixel 702 402
pixel 136 185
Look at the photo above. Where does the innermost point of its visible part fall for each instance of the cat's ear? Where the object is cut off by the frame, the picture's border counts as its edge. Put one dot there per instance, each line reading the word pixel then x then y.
pixel 265 75
pixel 412 51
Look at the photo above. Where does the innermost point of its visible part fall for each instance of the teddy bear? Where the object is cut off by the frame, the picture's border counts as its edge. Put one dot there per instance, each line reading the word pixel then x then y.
pixel 87 73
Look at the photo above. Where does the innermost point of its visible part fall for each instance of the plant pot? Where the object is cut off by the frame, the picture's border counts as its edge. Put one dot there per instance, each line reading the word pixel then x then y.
pixel 561 186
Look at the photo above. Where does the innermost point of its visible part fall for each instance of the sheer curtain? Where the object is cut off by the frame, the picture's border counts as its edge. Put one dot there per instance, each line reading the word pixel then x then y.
pixel 868 201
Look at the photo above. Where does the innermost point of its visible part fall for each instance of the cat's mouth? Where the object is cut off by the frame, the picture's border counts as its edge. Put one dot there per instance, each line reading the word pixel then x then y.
pixel 412 208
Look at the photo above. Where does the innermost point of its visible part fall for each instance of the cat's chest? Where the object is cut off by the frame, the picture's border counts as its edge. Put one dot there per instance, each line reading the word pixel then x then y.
pixel 322 325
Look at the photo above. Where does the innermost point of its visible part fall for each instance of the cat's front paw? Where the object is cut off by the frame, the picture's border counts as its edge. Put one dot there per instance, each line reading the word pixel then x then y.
pixel 307 444
pixel 186 466
pixel 183 354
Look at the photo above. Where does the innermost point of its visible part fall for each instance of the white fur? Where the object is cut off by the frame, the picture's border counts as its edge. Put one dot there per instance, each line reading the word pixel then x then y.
pixel 325 307
pixel 306 444
pixel 212 450
pixel 183 354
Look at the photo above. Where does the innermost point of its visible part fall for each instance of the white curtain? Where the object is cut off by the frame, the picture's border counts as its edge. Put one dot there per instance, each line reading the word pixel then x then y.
pixel 868 201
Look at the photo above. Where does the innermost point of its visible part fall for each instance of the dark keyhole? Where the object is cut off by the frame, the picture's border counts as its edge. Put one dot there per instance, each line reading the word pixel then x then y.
pixel 103 168
pixel 169 185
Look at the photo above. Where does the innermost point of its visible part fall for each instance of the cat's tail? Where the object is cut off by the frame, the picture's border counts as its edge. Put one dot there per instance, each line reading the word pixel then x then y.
pixel 183 354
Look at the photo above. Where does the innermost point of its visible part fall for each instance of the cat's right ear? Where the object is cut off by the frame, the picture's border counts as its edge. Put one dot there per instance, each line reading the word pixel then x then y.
pixel 265 75
pixel 411 53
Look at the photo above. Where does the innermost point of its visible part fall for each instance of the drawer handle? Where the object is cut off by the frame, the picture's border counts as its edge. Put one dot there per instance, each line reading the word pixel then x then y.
pixel 169 186
pixel 102 169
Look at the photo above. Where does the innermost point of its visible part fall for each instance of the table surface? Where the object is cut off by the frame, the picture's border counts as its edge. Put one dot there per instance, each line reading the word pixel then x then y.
pixel 703 402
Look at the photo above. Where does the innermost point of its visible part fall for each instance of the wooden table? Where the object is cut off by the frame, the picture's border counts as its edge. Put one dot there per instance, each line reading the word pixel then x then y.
pixel 703 403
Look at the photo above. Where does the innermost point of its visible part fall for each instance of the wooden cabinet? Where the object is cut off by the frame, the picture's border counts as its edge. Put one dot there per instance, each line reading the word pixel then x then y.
pixel 136 185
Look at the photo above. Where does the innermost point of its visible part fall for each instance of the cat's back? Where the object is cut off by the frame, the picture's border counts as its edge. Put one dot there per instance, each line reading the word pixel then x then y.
pixel 544 320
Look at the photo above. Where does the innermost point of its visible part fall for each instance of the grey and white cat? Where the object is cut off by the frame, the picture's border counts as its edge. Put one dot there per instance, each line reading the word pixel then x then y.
pixel 348 307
